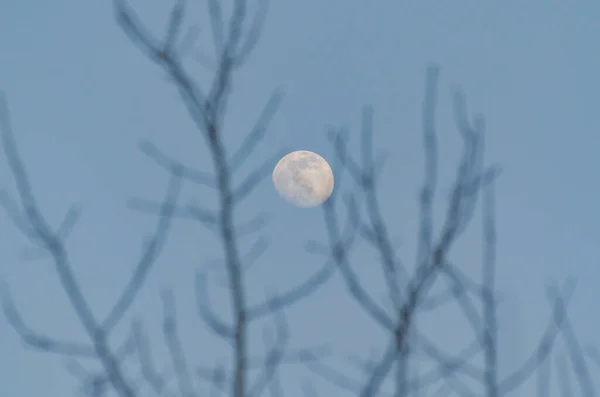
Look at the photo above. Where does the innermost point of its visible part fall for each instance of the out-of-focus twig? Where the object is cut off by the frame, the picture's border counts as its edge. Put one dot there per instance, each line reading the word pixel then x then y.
pixel 490 327
pixel 575 353
pixel 523 372
pixel 176 351
pixel 234 38
pixel 34 225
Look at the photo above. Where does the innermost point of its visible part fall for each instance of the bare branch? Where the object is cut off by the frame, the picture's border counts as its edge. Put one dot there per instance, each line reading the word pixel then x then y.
pixel 207 112
pixel 257 133
pixel 490 339
pixel 449 364
pixel 188 41
pixel 339 254
pixel 564 378
pixel 319 278
pixel 71 217
pixel 18 218
pixel 174 26
pixel 295 294
pixel 253 225
pixel 190 92
pixel 169 164
pixel 217 378
pixel 150 253
pixel 574 349
pixel 206 312
pixel 381 239
pixel 63 231
pixel 379 373
pixel 425 243
pixel 37 340
pixel 154 208
pixel 246 48
pixel 39 225
pixel 247 186
pixel 275 389
pixel 182 373
pixel 593 354
pixel 337 378
pixel 543 377
pixel 136 32
pixel 255 252
pixel 149 373
pixel 61 262
pixel 216 24
pixel 284 357
pixel 275 354
pixel 523 372
pixel 207 217
pixel 466 305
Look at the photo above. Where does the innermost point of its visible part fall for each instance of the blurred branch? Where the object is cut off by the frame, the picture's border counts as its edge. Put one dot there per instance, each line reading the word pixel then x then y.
pixel 153 378
pixel 175 21
pixel 337 378
pixel 253 225
pixel 339 255
pixel 425 242
pixel 64 230
pixel 527 368
pixel 36 222
pixel 490 328
pixel 39 341
pixel 207 110
pixel 432 254
pixel 377 232
pixel 208 315
pixel 450 366
pixel 182 372
pixel 274 356
pixel 150 252
pixel 294 294
pixel 593 354
pixel 31 221
pixel 247 186
pixel 543 377
pixel 574 350
pixel 97 382
pixel 170 164
pixel 253 34
pixel 564 378
pixel 311 284
pixel 216 24
pixel 258 131
pixel 468 308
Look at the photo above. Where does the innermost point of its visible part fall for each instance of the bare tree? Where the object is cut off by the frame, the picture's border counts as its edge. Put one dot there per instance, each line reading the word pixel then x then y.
pixel 472 371
pixel 207 108
pixel 411 291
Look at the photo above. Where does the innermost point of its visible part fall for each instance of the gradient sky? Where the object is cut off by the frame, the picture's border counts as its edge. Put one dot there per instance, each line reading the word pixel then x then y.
pixel 82 96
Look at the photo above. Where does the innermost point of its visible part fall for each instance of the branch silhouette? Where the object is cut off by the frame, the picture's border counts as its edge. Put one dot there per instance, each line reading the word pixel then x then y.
pixel 207 108
pixel 40 233
pixel 410 293
pixel 352 216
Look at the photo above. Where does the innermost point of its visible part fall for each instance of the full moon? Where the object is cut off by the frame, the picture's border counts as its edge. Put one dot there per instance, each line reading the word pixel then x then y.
pixel 304 178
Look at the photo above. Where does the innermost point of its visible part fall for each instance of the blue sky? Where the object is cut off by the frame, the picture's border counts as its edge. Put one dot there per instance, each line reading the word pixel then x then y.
pixel 82 96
